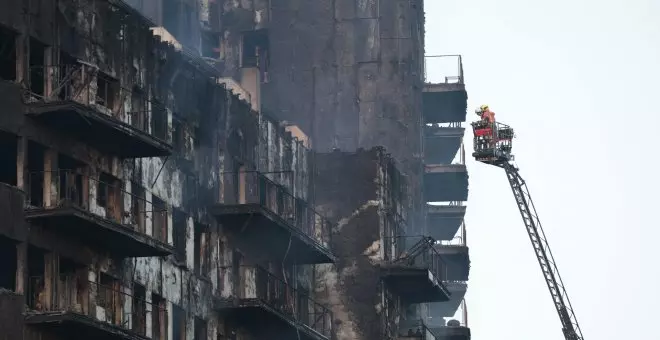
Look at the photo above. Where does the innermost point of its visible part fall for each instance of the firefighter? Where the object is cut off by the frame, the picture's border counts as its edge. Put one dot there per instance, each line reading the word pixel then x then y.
pixel 487 122
pixel 486 114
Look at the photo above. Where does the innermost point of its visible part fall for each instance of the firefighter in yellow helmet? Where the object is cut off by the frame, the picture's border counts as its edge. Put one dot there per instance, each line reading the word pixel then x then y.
pixel 486 114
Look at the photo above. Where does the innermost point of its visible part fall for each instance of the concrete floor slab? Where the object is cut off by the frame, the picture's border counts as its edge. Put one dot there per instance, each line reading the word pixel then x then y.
pixel 445 183
pixel 443 221
pixel 444 103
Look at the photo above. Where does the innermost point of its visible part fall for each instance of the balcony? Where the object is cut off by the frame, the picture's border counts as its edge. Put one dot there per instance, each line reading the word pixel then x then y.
pixel 264 215
pixel 444 221
pixel 97 111
pixel 442 142
pixel 96 213
pixel 447 309
pixel 444 183
pixel 268 305
pixel 415 330
pixel 444 98
pixel 416 274
pixel 87 309
pixel 455 254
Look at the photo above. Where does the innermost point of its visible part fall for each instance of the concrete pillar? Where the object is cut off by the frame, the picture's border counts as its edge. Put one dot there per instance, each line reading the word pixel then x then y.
pixel 50 72
pixel 50 281
pixel 21 58
pixel 22 177
pixel 51 178
pixel 21 268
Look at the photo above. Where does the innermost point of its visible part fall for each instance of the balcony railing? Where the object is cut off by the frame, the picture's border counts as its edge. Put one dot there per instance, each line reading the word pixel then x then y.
pixel 86 298
pixel 415 330
pixel 72 83
pixel 420 253
pixel 443 69
pixel 253 187
pixel 70 189
pixel 258 285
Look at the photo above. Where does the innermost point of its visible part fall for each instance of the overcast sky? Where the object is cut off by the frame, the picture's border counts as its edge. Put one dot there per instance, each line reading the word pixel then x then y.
pixel 579 81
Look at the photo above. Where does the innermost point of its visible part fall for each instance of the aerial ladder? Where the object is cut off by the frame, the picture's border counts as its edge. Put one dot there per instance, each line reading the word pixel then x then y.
pixel 492 145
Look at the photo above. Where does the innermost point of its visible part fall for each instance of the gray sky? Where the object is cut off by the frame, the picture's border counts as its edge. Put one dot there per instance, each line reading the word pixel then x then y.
pixel 578 80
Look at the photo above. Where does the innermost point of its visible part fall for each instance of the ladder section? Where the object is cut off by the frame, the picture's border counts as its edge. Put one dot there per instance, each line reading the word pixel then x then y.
pixel 525 204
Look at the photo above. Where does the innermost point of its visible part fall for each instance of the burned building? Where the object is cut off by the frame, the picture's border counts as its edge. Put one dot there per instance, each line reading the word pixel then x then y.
pixel 383 272
pixel 169 172
pixel 134 184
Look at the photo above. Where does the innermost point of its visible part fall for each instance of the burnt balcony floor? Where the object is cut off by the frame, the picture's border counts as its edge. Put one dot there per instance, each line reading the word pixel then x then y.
pixel 442 143
pixel 451 333
pixel 448 309
pixel 443 221
pixel 95 230
pixel 444 103
pixel 257 315
pixel 258 226
pixel 444 183
pixel 77 326
pixel 457 259
pixel 98 129
pixel 414 285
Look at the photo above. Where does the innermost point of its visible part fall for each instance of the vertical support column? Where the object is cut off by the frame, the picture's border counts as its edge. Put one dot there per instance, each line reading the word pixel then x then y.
pixel 21 268
pixel 50 281
pixel 50 72
pixel 51 178
pixel 22 181
pixel 242 185
pixel 22 58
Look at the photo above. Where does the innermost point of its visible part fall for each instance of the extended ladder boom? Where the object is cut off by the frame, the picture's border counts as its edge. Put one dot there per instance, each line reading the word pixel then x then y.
pixel 569 322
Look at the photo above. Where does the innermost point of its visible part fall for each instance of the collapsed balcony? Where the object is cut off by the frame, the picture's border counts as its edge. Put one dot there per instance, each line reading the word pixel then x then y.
pixel 73 307
pixel 265 215
pixel 269 305
pixel 97 213
pixel 417 274
pixel 78 99
pixel 415 330
pixel 444 99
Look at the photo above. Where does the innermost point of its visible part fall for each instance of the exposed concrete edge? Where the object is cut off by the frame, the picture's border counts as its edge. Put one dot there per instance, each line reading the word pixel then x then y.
pixel 443 87
pixel 444 168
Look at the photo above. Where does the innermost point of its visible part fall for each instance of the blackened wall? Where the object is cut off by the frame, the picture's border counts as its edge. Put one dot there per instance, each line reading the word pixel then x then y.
pixel 356 189
pixel 348 72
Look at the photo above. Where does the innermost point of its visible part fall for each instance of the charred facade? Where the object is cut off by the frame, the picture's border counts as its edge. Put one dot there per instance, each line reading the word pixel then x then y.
pixel 119 147
pixel 170 170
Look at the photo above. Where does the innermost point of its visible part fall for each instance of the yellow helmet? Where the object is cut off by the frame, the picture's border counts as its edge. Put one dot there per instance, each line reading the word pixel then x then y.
pixel 483 107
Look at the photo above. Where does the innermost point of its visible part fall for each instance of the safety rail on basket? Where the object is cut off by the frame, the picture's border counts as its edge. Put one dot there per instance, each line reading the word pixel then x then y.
pixel 492 141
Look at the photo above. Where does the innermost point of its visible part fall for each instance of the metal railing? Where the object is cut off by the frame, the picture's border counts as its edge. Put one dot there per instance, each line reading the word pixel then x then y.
pixel 496 136
pixel 421 253
pixel 69 188
pixel 258 284
pixel 448 66
pixel 86 85
pixel 415 329
pixel 253 187
pixel 99 302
